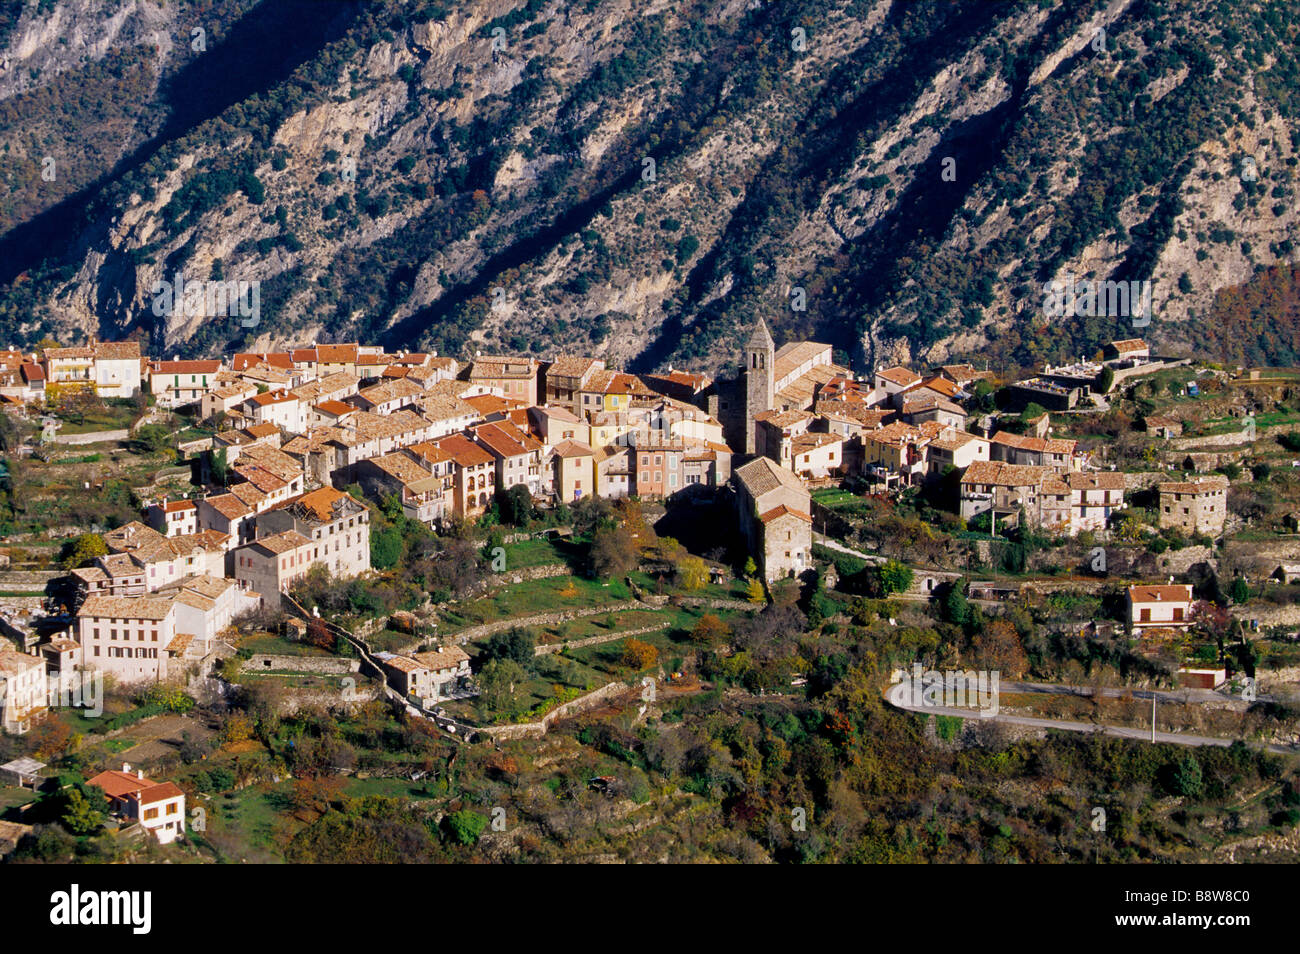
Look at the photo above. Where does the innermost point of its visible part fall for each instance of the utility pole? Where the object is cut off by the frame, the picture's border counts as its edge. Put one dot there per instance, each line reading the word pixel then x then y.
pixel 1154 695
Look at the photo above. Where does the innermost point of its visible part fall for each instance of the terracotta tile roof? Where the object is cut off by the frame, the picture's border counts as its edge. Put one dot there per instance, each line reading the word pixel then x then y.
pixel 133 535
pixel 184 367
pixel 437 408
pixel 485 404
pixel 119 784
pixel 248 494
pixel 811 442
pixel 336 408
pixel 263 430
pixel 390 391
pixel 402 663
pixel 1095 480
pixel 1129 344
pixel 324 505
pixel 126 607
pixel 1161 593
pixel 499 366
pixel 505 440
pixel 945 387
pixel 1037 445
pixel 1215 483
pixel 573 449
pixel 686 379
pixel 15 663
pixel 783 419
pixel 568 366
pixel 897 434
pixel 229 506
pixel 762 475
pixel 803 390
pixel 117 351
pixel 996 472
pixel 464 451
pixel 900 376
pixel 450 658
pixel 247 360
pixel 336 353
pixel 340 382
pixel 160 793
pixel 961 373
pixel 868 417
pixel 281 542
pixel 429 452
pixel 794 353
pixel 402 467
pixel 181 641
pixel 272 397
pixel 783 511
pixel 68 354
pixel 370 426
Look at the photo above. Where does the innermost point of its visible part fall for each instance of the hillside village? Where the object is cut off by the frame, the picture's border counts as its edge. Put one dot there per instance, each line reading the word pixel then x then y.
pixel 793 480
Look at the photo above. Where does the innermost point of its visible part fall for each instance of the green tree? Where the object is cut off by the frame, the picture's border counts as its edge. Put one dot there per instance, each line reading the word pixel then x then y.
pixel 611 554
pixel 1106 381
pixel 955 607
pixel 500 683
pixel 83 550
pixel 693 572
pixel 515 644
pixel 1185 777
pixel 1239 591
pixel 80 816
pixel 895 577
pixel 464 827
pixel 515 505
pixel 220 466
pixel 385 547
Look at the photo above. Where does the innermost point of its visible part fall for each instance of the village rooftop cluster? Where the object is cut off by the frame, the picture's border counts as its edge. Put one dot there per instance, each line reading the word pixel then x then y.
pixel 293 428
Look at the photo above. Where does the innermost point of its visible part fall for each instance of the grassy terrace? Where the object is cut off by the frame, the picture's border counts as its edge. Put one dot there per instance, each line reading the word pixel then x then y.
pixel 278 646
pixel 1228 425
pixel 560 593
pixel 526 553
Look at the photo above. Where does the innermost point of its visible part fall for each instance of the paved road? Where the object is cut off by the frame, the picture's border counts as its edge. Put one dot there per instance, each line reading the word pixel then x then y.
pixel 895 695
pixel 838 547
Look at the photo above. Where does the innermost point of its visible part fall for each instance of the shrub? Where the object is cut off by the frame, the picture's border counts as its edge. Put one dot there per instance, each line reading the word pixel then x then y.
pixel 639 655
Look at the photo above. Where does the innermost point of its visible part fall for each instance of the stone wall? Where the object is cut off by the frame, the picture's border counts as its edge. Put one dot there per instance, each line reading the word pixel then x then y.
pixel 27 579
pixel 547 648
pixel 329 665
pixel 1269 614
pixel 297 699
pixel 510 577
pixel 1265 555
pixel 535 730
pixel 540 619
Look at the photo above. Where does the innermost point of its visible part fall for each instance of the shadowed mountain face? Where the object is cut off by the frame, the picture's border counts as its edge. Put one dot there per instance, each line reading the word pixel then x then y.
pixel 904 180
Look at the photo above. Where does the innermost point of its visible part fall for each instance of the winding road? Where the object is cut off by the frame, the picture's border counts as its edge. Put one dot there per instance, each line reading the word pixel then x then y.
pixel 898 696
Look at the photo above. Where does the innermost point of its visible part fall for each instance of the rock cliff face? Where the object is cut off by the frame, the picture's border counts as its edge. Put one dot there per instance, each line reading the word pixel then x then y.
pixel 641 180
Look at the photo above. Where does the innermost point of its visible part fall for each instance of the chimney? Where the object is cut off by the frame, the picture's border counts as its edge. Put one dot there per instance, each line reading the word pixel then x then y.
pixel 139 773
pixel 126 767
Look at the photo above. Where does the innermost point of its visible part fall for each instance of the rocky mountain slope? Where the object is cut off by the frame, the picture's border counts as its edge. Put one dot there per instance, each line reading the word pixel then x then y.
pixel 642 180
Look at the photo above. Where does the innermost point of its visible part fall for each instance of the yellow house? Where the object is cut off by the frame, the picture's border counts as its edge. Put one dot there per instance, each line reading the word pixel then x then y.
pixel 611 391
pixel 575 471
